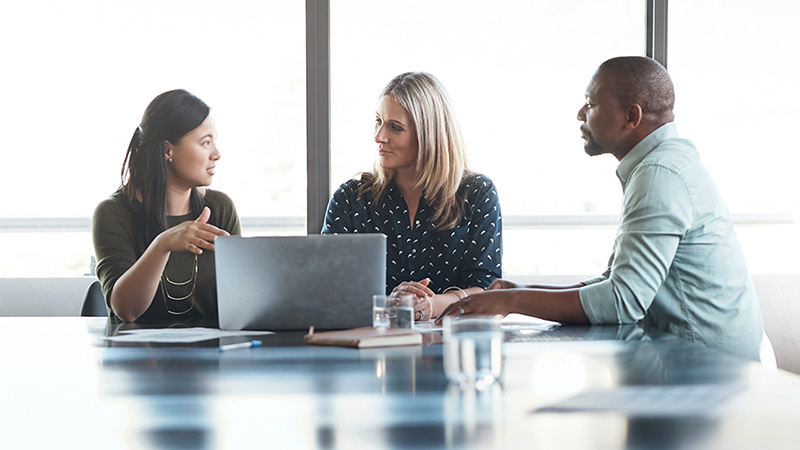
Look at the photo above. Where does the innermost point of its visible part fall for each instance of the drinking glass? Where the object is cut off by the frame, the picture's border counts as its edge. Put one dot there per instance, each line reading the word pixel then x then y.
pixel 394 311
pixel 473 350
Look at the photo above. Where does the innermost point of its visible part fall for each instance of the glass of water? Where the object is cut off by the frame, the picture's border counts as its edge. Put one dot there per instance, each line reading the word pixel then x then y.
pixel 393 311
pixel 473 350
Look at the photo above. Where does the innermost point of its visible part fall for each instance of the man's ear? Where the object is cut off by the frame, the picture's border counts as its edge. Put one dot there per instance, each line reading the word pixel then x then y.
pixel 634 116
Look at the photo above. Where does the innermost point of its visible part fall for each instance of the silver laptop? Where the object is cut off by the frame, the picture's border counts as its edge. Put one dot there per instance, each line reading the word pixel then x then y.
pixel 293 282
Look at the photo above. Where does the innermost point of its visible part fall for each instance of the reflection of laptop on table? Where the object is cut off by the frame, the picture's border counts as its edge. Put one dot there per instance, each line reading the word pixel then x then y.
pixel 291 283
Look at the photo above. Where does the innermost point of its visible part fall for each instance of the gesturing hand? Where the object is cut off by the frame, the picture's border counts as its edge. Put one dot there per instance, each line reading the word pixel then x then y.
pixel 191 236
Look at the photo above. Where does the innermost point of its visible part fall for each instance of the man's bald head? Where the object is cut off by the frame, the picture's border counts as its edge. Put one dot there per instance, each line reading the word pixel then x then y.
pixel 641 80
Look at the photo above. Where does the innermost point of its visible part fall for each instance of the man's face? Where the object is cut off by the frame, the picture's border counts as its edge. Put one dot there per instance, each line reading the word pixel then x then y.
pixel 603 118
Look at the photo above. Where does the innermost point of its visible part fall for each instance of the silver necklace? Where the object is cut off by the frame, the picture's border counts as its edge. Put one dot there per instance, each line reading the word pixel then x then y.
pixel 166 281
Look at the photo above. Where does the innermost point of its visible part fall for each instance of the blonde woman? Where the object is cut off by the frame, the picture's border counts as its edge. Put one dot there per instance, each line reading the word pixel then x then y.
pixel 442 221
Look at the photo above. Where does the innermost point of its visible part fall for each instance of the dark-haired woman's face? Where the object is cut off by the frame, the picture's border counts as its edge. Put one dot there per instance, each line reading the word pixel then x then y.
pixel 192 161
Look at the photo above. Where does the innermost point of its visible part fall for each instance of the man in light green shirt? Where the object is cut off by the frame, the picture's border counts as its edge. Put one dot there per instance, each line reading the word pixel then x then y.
pixel 677 264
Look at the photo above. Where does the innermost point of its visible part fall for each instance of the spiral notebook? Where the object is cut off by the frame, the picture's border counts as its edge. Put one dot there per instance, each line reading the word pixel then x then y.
pixel 294 282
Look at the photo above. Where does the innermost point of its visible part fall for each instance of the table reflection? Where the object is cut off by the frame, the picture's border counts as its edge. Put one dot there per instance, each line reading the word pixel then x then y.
pixel 473 416
pixel 290 395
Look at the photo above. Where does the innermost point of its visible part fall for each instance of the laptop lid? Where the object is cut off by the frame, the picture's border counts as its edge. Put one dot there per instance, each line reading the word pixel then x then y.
pixel 293 282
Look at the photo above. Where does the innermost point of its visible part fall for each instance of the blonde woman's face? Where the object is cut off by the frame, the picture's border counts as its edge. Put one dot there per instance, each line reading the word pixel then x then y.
pixel 396 136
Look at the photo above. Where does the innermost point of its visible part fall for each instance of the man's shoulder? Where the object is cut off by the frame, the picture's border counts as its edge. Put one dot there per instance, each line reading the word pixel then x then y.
pixel 675 153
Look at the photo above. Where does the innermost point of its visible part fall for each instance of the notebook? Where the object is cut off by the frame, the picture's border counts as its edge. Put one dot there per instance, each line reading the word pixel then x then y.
pixel 366 337
pixel 294 282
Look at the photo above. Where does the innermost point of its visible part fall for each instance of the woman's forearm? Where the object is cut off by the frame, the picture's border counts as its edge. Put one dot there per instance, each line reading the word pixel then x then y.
pixel 134 290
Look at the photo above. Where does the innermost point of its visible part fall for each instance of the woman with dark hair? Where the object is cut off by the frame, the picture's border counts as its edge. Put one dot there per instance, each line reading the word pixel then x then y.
pixel 151 236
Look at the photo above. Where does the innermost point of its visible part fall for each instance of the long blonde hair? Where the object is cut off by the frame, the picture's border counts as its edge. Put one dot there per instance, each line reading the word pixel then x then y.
pixel 441 159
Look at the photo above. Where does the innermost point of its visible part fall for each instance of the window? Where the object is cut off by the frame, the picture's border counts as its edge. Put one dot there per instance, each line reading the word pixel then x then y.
pixel 77 80
pixel 516 72
pixel 80 74
pixel 736 98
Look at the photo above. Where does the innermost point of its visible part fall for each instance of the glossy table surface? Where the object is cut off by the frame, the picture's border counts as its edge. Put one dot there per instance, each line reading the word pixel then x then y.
pixel 63 386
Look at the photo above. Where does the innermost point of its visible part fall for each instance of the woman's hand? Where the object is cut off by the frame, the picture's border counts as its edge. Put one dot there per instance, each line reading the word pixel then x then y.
pixel 134 290
pixel 191 236
pixel 423 306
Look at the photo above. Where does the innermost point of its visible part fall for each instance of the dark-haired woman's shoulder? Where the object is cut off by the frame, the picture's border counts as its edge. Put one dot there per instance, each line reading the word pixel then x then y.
pixel 214 197
pixel 223 211
pixel 117 207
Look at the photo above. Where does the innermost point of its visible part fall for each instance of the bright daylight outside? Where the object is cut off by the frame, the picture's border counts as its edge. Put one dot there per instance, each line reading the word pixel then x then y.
pixel 79 75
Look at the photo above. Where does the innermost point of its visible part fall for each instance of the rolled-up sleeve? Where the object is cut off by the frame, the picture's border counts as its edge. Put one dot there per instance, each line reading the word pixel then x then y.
pixel 657 212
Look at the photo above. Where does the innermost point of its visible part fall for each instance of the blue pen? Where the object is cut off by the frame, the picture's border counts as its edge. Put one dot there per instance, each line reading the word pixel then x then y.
pixel 224 348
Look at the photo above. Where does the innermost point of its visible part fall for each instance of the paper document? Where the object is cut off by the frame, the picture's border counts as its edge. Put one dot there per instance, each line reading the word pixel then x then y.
pixel 512 322
pixel 178 335
pixel 523 322
pixel 650 400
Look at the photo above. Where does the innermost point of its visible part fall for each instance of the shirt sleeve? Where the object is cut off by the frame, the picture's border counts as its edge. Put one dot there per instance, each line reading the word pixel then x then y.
pixel 657 212
pixel 339 214
pixel 223 214
pixel 113 239
pixel 482 262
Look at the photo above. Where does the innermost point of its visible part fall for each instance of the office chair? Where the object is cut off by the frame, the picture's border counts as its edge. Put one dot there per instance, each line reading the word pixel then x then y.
pixel 94 303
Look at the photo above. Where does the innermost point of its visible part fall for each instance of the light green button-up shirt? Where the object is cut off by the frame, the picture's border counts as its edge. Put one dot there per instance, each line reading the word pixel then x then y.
pixel 677 262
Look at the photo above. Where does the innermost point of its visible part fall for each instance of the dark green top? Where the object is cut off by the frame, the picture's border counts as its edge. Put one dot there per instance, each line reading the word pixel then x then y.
pixel 113 225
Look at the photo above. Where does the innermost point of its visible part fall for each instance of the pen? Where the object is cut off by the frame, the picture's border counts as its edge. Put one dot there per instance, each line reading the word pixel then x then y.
pixel 224 348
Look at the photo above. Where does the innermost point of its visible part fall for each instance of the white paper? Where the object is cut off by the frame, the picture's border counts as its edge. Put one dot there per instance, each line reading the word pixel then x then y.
pixel 512 322
pixel 523 322
pixel 651 401
pixel 178 335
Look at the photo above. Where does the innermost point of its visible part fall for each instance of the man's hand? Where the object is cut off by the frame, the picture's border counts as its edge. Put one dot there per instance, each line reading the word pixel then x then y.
pixel 487 303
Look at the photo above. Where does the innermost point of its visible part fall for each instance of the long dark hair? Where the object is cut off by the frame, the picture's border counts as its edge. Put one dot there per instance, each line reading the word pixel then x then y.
pixel 169 117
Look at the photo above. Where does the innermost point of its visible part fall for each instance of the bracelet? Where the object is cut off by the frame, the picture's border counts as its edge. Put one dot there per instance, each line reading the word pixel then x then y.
pixel 456 288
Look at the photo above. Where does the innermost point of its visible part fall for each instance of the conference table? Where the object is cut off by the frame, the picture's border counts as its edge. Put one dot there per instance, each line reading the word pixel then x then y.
pixel 64 385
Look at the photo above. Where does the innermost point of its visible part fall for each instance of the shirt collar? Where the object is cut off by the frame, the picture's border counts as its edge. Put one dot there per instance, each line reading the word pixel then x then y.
pixel 640 151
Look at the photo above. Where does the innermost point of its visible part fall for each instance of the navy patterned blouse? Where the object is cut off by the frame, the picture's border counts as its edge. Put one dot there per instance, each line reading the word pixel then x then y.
pixel 468 255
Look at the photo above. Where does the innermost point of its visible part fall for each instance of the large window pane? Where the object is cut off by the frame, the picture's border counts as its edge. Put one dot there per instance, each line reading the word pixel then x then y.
pixel 78 75
pixel 736 97
pixel 516 71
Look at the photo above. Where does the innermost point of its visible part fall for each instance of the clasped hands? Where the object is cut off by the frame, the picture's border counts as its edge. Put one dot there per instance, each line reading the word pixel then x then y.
pixel 490 302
